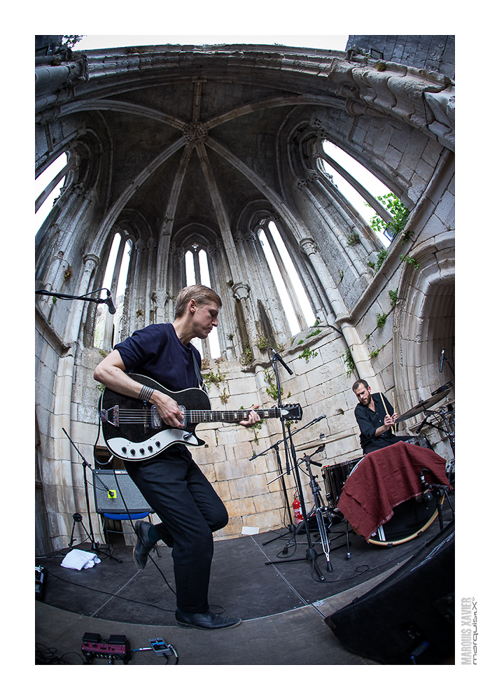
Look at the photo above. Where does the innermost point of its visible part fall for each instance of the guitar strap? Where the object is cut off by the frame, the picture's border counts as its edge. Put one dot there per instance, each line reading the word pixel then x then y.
pixel 200 380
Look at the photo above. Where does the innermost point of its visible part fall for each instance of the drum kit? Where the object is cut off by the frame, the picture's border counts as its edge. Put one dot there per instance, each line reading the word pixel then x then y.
pixel 414 516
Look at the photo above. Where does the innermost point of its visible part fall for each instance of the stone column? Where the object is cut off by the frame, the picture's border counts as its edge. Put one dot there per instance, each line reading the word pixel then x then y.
pixel 241 292
pixel 356 346
pixel 90 263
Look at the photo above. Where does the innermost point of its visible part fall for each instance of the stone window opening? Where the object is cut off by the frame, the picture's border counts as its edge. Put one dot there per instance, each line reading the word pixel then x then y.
pixel 50 184
pixel 197 272
pixel 108 326
pixel 358 184
pixel 291 291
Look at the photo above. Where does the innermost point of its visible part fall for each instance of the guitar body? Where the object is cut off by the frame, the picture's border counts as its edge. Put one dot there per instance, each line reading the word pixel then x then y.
pixel 133 430
pixel 134 436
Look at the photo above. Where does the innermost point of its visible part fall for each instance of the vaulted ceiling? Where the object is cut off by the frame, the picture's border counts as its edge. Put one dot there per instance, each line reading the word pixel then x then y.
pixel 194 132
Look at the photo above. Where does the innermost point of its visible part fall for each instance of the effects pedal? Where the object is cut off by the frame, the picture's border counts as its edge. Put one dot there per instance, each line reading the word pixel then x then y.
pixel 160 647
pixel 116 648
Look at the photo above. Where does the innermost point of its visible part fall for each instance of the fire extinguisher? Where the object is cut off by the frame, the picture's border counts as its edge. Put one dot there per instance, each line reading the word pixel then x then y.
pixel 297 509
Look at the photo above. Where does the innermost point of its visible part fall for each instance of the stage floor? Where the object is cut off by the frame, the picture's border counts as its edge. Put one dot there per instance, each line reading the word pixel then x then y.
pixel 281 597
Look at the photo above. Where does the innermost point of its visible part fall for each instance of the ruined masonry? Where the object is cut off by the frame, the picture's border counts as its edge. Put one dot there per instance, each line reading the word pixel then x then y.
pixel 183 151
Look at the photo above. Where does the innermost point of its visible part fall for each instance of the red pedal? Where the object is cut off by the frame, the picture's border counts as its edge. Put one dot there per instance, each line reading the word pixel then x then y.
pixel 116 648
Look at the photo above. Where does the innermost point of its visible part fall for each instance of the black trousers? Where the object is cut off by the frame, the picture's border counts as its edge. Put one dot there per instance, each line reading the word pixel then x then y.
pixel 190 511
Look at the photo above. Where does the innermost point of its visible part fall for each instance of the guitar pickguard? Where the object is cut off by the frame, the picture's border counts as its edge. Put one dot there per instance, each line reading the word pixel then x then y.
pixel 125 449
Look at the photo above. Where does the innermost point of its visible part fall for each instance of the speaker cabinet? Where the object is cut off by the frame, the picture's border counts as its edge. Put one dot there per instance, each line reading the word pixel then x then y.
pixel 116 493
pixel 409 617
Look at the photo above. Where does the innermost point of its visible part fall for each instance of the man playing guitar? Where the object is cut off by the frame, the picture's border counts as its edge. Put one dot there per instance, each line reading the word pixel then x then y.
pixel 171 482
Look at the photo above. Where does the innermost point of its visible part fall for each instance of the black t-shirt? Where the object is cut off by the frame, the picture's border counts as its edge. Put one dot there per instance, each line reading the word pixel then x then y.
pixel 368 422
pixel 156 352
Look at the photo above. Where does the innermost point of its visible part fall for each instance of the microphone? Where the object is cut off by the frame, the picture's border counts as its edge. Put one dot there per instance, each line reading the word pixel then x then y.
pixel 442 360
pixel 110 304
pixel 276 356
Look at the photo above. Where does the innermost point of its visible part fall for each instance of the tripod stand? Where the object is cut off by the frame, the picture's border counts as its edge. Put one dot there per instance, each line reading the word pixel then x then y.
pixel 77 518
pixel 292 465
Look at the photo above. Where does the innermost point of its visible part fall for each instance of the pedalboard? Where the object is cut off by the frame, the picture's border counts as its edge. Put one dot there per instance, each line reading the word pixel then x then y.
pixel 116 648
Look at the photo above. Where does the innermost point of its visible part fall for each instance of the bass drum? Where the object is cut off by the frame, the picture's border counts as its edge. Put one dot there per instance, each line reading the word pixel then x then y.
pixel 409 520
pixel 335 477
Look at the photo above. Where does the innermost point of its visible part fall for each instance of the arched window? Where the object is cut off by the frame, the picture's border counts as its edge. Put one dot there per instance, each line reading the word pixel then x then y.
pixel 108 326
pixel 48 186
pixel 358 185
pixel 288 283
pixel 197 272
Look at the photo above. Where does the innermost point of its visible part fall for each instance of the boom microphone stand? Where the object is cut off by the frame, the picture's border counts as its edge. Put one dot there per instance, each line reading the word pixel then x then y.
pixel 77 518
pixel 83 297
pixel 292 465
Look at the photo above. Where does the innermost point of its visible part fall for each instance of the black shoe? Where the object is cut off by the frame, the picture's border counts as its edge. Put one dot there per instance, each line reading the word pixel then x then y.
pixel 143 544
pixel 205 621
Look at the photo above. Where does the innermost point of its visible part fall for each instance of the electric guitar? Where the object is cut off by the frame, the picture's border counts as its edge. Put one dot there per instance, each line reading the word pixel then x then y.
pixel 133 430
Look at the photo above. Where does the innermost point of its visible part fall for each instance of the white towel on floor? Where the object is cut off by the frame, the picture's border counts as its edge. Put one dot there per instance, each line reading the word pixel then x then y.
pixel 78 559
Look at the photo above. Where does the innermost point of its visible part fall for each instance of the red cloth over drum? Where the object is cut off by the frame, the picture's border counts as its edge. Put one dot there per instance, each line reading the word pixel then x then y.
pixel 383 480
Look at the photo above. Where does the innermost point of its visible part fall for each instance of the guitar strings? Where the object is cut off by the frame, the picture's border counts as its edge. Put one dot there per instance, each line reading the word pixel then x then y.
pixel 144 416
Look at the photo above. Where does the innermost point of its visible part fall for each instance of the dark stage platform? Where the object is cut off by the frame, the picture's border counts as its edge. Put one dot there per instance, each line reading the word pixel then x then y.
pixel 283 602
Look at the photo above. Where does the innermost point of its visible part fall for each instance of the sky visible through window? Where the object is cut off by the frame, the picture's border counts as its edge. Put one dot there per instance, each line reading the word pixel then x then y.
pixel 369 181
pixel 42 182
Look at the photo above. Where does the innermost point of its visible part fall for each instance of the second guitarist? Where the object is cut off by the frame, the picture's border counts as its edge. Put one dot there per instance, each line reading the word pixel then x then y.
pixel 172 483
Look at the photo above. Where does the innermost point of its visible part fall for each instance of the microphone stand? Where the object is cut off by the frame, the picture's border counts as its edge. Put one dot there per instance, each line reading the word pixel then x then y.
pixel 292 465
pixel 275 447
pixel 77 518
pixel 83 297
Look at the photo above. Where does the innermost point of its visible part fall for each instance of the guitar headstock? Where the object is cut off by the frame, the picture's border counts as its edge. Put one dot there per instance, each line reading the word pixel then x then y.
pixel 291 411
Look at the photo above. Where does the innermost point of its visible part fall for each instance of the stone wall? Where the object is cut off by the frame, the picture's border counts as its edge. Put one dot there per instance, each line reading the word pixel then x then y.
pixel 248 157
pixel 435 53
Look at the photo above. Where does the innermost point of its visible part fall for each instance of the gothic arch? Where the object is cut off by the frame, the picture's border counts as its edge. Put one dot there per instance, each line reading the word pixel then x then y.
pixel 424 323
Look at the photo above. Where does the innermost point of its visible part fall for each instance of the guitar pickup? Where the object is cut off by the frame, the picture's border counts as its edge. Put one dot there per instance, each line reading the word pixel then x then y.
pixel 156 421
pixel 107 414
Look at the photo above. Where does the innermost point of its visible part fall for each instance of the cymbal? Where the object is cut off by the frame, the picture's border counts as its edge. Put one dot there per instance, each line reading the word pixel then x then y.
pixel 423 405
pixel 322 441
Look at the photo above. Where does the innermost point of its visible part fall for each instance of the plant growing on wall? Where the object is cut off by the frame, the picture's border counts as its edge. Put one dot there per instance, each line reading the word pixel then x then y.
pixel 410 261
pixel 307 354
pixel 214 377
pixel 398 211
pixel 262 343
pixel 393 294
pixel 349 362
pixel 353 238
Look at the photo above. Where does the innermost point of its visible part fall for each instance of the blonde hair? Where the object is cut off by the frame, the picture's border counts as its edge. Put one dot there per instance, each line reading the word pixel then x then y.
pixel 202 295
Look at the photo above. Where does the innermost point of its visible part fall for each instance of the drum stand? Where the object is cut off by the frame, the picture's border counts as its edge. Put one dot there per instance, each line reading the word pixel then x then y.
pixel 436 491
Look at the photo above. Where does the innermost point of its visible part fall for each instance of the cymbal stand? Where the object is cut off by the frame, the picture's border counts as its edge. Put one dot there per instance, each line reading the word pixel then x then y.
pixel 321 512
pixel 443 413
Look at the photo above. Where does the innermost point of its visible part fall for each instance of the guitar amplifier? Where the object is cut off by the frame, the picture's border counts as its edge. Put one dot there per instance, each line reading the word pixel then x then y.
pixel 115 492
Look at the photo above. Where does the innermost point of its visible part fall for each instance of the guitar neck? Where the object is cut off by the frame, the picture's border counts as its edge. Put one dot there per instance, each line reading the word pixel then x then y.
pixel 205 416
